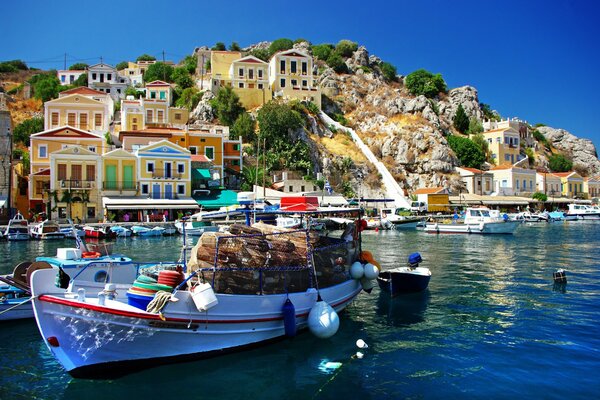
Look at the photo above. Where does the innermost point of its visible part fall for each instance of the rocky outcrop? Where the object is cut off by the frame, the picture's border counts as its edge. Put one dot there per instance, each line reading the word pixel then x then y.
pixel 582 151
pixel 303 47
pixel 465 95
pixel 203 111
pixel 360 58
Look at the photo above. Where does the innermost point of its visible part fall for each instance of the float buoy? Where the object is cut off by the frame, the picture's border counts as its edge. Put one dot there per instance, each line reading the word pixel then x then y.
pixel 560 276
pixel 371 271
pixel 357 270
pixel 367 284
pixel 289 318
pixel 323 321
pixel 90 254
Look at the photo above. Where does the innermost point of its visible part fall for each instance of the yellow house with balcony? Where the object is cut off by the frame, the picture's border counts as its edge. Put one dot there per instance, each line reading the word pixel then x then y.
pixel 291 76
pixel 504 145
pixel 591 186
pixel 164 171
pixel 119 173
pixel 220 65
pixel 75 178
pixel 82 108
pixel 42 145
pixel 250 81
pixel 571 184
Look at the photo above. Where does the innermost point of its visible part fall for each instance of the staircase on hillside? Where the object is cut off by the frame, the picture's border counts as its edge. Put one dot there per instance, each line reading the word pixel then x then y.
pixel 392 189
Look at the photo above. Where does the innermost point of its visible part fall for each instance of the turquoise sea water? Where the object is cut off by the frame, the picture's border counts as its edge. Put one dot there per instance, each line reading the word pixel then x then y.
pixel 491 325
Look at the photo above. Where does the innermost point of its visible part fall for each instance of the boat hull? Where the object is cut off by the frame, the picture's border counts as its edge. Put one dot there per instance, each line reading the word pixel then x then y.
pixel 105 341
pixel 404 280
pixel 22 311
pixel 504 227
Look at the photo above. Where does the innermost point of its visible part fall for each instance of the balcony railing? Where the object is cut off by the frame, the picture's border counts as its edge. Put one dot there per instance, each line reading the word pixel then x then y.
pixel 165 174
pixel 76 184
pixel 161 195
pixel 119 185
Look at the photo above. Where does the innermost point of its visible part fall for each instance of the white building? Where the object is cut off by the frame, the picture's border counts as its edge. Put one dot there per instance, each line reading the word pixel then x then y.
pixel 68 77
pixel 291 76
pixel 104 78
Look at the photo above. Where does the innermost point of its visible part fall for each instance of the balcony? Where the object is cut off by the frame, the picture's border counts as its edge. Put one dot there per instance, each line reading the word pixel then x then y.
pixel 120 185
pixel 161 195
pixel 76 184
pixel 165 174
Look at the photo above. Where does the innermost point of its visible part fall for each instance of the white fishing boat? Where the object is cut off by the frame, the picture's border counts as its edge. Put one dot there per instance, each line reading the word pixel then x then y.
pixel 68 231
pixel 477 221
pixel 121 231
pixel 140 230
pixel 195 228
pixel 46 230
pixel 17 229
pixel 262 283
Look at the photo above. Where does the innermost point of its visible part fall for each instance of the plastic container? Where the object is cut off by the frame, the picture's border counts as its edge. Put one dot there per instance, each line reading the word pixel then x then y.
pixel 204 296
pixel 138 301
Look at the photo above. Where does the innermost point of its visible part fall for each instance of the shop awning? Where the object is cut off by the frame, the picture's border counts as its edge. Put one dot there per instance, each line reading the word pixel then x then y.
pixel 201 173
pixel 217 199
pixel 144 203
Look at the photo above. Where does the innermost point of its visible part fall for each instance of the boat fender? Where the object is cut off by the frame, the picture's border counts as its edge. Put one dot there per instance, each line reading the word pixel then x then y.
pixel 367 284
pixel 90 254
pixel 437 228
pixel 468 229
pixel 323 321
pixel 481 226
pixel 289 318
pixel 371 271
pixel 357 271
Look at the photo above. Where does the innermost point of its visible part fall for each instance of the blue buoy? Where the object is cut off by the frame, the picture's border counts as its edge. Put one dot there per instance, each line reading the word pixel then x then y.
pixel 289 318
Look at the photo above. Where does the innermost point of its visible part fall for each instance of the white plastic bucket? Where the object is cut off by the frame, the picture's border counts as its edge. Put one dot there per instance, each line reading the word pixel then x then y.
pixel 204 296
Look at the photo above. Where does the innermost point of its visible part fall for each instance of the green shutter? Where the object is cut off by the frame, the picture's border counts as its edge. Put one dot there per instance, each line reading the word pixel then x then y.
pixel 111 177
pixel 128 182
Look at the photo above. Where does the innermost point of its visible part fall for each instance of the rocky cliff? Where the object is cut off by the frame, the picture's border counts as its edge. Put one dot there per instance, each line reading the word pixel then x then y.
pixel 581 151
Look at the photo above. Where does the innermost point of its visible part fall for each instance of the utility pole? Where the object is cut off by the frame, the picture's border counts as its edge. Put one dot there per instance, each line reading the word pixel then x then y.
pixel 164 69
pixel 65 64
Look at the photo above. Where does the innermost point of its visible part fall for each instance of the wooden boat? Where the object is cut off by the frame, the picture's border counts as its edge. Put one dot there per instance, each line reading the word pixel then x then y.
pixel 236 301
pixel 408 279
pixel 17 229
pixel 476 221
pixel 46 230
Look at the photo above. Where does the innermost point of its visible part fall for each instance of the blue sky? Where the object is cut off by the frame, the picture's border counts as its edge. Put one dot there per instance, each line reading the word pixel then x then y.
pixel 538 60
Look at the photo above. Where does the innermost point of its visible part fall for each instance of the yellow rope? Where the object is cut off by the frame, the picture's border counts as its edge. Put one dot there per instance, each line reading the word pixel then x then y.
pixel 160 300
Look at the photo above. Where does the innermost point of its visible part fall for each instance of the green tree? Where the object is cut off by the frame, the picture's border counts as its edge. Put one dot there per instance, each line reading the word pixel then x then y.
pixel 13 66
pixel 82 80
pixel 190 63
pixel 475 126
pixel 234 46
pixel 219 46
pixel 27 128
pixel 540 197
pixel 322 51
pixel 345 48
pixel 45 86
pixel 252 175
pixel 190 97
pixel 425 83
pixel 182 78
pixel 559 163
pixel 227 106
pixel 280 45
pixel 388 71
pixel 122 65
pixel 78 67
pixel 336 62
pixel 469 154
pixel 159 72
pixel 460 120
pixel 244 127
pixel 145 57
pixel 300 40
pixel 275 120
pixel 483 144
pixel 488 113
pixel 262 54
pixel 131 91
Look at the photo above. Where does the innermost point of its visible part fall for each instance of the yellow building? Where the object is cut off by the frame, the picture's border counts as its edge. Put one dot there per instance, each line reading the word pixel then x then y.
pixel 119 173
pixel 159 90
pixel 504 145
pixel 571 184
pixel 43 144
pixel 249 78
pixel 509 180
pixel 164 171
pixel 220 64
pixel 591 186
pixel 291 76
pixel 548 183
pixel 82 108
pixel 75 178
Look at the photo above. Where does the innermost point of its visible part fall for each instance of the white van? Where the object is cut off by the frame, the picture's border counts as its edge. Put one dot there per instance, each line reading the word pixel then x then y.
pixel 418 207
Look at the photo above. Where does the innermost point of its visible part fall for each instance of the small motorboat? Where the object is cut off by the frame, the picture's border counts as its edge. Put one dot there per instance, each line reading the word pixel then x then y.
pixel 17 229
pixel 46 230
pixel 98 232
pixel 195 228
pixel 408 279
pixel 140 230
pixel 169 230
pixel 120 231
pixel 69 232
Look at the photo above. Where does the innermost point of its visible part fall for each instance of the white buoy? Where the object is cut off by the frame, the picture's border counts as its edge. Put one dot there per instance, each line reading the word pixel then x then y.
pixel 361 344
pixel 371 271
pixel 323 321
pixel 357 270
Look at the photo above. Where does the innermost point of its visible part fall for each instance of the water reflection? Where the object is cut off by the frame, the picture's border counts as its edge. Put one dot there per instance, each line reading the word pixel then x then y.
pixel 404 310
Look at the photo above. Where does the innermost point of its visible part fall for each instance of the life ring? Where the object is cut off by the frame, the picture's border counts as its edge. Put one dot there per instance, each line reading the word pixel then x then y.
pixel 90 254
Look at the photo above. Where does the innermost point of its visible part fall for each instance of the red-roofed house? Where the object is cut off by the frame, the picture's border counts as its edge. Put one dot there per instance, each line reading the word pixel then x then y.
pixel 510 181
pixel 82 108
pixel 571 182
pixel 591 186
pixel 250 81
pixel 477 181
pixel 291 76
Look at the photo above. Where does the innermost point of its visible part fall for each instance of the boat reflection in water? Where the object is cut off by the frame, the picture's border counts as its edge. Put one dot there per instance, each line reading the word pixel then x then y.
pixel 403 310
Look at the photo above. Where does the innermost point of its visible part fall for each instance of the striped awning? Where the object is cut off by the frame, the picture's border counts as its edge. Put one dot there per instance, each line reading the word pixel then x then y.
pixel 144 203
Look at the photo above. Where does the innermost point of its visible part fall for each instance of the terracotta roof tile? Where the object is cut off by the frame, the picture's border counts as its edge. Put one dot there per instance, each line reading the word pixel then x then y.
pixel 433 190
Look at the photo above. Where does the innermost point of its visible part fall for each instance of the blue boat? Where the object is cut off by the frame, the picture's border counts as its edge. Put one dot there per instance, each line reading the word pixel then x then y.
pixel 409 279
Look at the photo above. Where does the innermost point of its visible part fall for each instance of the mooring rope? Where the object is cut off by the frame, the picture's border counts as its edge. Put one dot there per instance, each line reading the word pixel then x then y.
pixel 17 305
